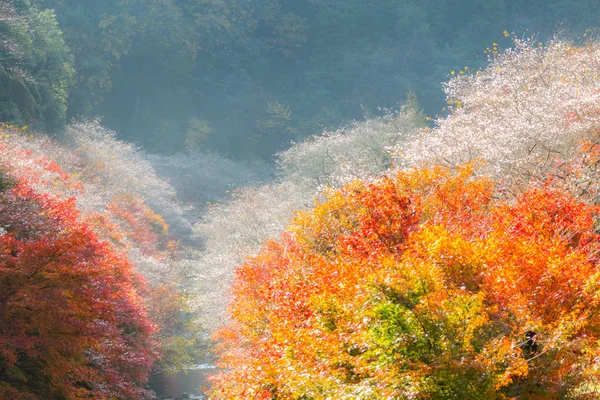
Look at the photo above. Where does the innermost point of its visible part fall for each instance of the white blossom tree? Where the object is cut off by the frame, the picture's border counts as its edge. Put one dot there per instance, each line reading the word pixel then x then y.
pixel 99 172
pixel 526 116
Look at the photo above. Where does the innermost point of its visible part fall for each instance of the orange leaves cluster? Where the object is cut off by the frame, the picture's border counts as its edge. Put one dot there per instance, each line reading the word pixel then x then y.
pixel 420 286
pixel 140 224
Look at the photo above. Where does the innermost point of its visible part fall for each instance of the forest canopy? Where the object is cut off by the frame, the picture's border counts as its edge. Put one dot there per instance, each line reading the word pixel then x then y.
pixel 247 77
pixel 420 286
pixel 375 233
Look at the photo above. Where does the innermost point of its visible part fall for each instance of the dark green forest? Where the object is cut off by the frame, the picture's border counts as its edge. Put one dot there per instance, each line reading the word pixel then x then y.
pixel 244 77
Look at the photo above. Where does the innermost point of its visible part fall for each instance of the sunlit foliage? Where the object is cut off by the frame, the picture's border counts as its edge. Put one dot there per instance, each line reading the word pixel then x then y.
pixel 106 188
pixel 105 176
pixel 529 115
pixel 36 69
pixel 73 323
pixel 420 285
pixel 235 229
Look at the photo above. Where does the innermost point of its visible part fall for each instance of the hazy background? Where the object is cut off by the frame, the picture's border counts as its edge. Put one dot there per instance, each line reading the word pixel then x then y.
pixel 246 77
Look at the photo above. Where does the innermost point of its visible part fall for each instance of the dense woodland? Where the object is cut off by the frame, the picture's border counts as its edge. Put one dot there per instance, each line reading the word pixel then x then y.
pixel 246 77
pixel 288 189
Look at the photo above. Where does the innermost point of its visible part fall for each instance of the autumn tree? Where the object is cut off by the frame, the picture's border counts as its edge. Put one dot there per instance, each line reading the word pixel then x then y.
pixel 120 200
pixel 238 228
pixel 73 323
pixel 420 285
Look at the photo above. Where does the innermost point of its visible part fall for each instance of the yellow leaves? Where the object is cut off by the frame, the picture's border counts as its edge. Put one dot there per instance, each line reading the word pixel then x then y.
pixel 506 34
pixel 501 359
pixel 460 261
pixel 10 128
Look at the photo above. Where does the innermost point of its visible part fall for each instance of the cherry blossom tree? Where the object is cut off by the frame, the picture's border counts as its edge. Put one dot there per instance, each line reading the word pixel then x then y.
pixel 528 115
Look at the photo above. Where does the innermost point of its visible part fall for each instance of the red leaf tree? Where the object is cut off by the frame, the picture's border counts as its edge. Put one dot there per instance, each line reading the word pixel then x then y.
pixel 72 322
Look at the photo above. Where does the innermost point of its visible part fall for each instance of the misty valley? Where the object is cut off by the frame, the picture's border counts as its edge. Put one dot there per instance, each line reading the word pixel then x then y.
pixel 301 200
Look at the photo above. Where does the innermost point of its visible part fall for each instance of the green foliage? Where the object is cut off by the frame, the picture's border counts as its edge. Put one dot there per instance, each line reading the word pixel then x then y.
pixel 36 76
pixel 6 182
pixel 182 341
pixel 275 129
pixel 278 119
pixel 51 66
pixel 149 66
pixel 289 34
pixel 199 131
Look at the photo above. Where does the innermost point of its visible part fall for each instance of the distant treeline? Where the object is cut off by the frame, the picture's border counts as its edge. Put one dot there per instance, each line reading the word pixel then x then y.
pixel 246 77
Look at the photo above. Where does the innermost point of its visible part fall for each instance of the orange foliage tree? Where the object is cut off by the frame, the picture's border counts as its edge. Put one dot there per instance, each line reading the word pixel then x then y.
pixel 420 286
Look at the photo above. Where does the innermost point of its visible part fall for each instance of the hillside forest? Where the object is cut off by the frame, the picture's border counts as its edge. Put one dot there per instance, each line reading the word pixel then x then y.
pixel 318 199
